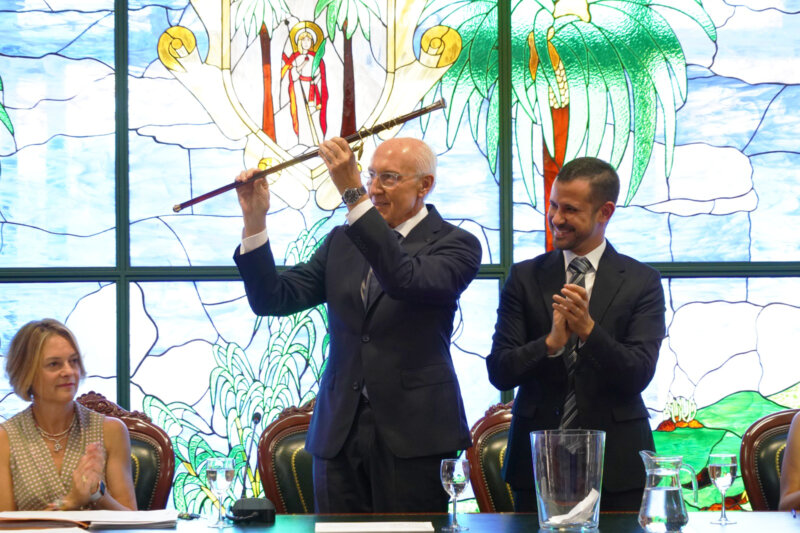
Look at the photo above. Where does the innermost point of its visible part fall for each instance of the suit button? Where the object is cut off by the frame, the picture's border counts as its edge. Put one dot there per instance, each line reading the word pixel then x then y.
pixel 355 385
pixel 364 338
pixel 558 412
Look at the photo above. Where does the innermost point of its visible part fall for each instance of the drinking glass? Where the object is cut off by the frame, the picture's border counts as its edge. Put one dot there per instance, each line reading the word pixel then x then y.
pixel 722 471
pixel 219 474
pixel 454 474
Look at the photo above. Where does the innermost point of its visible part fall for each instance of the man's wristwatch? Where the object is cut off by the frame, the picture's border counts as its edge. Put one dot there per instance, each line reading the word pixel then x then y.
pixel 99 493
pixel 351 196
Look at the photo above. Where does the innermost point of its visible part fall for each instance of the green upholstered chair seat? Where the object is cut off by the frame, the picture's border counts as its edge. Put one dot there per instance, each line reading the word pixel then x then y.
pixel 486 456
pixel 763 446
pixel 284 464
pixel 152 457
pixel 145 466
pixel 292 468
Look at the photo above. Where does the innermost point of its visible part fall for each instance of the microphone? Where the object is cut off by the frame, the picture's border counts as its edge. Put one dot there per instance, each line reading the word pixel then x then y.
pixel 252 510
pixel 254 422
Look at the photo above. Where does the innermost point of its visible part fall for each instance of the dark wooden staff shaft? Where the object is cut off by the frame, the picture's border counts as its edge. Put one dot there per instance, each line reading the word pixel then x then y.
pixel 359 135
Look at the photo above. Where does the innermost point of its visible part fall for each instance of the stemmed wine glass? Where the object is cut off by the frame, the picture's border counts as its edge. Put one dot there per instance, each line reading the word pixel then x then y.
pixel 454 474
pixel 722 471
pixel 219 474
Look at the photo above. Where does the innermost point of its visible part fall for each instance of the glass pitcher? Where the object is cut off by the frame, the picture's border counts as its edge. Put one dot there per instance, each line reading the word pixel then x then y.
pixel 662 503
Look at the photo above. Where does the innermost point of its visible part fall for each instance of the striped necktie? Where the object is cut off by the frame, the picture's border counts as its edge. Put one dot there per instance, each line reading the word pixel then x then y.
pixel 577 270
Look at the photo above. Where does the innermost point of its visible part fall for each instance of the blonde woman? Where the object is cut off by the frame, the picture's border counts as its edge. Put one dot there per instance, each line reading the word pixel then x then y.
pixel 57 454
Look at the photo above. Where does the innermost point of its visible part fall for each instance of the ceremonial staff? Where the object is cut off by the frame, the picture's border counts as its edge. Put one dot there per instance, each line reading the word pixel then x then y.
pixel 358 136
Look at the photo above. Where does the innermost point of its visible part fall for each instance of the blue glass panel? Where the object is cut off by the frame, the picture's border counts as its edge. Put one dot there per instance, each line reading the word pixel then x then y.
pixel 775 222
pixel 88 309
pixel 642 234
pixel 57 204
pixel 472 342
pixel 169 4
pixel 57 158
pixel 145 22
pixel 528 201
pixel 466 191
pixel 710 238
pixel 80 33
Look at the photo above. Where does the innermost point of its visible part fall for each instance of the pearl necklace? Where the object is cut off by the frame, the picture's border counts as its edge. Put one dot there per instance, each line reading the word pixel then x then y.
pixel 56 438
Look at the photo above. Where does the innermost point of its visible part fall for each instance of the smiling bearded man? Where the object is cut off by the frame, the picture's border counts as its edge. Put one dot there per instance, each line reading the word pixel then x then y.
pixel 578 331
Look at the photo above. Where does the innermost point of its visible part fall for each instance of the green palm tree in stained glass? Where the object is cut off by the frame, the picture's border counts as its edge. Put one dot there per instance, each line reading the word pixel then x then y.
pixel 285 374
pixel 577 66
pixel 262 17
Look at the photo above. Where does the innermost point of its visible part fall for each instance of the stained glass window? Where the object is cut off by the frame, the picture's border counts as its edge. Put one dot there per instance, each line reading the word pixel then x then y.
pixel 57 135
pixel 198 118
pixel 696 106
pixel 714 380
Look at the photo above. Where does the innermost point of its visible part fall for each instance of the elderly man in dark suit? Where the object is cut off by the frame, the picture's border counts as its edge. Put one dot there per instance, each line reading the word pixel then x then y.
pixel 389 406
pixel 578 331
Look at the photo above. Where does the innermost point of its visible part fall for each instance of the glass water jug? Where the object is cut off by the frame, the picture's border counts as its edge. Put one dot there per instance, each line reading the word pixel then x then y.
pixel 662 503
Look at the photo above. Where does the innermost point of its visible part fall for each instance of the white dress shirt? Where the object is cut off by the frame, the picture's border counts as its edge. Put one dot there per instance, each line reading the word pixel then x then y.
pixel 594 258
pixel 404 228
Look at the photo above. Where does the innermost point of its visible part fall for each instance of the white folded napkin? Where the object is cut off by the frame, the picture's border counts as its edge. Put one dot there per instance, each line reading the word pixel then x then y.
pixel 581 512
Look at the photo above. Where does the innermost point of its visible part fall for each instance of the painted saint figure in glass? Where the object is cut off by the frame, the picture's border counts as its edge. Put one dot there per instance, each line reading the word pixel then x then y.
pixel 306 84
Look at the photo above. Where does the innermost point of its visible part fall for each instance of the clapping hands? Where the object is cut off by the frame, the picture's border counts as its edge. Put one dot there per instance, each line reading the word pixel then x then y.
pixel 573 305
pixel 85 478
pixel 570 315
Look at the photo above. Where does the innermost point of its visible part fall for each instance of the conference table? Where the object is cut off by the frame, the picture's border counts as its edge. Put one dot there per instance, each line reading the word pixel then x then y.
pixel 699 522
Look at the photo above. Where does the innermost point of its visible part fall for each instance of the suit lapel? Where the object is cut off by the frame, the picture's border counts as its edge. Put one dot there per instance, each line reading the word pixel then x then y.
pixel 424 233
pixel 552 278
pixel 607 282
pixel 353 272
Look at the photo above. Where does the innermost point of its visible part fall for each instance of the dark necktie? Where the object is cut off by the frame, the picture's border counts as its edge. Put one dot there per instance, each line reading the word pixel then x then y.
pixel 577 270
pixel 370 287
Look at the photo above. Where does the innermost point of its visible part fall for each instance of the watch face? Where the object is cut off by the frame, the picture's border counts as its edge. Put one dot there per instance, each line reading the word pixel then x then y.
pixel 99 493
pixel 352 195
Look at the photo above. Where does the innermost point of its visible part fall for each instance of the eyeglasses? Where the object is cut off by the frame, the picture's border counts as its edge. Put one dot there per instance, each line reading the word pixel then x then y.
pixel 388 180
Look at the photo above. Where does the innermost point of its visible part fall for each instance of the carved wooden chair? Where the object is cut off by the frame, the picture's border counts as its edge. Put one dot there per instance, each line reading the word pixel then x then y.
pixel 152 457
pixel 486 456
pixel 763 445
pixel 284 464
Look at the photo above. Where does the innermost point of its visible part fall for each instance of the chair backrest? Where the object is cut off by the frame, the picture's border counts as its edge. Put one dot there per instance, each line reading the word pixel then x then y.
pixel 763 445
pixel 486 456
pixel 284 464
pixel 152 457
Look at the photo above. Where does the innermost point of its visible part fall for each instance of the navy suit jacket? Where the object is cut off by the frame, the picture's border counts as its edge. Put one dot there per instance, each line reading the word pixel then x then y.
pixel 614 365
pixel 399 347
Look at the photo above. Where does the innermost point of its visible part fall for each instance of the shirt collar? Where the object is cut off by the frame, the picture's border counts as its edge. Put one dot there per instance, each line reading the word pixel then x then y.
pixel 593 256
pixel 404 228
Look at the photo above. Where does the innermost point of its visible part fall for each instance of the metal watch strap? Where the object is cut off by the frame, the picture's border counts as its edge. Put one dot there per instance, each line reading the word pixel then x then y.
pixel 351 196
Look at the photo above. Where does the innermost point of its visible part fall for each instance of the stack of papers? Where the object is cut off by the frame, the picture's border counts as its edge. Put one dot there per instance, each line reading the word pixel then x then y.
pixel 351 527
pixel 160 519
